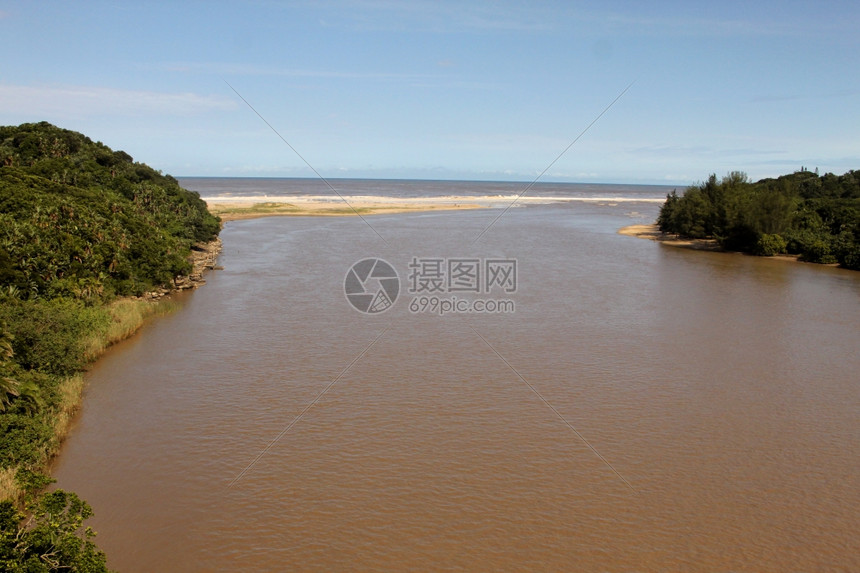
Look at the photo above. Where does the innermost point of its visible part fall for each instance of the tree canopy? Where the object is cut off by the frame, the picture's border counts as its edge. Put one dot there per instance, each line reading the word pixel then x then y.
pixel 79 219
pixel 48 535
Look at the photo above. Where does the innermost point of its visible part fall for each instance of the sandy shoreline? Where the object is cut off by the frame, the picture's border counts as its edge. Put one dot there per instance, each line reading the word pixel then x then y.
pixel 653 233
pixel 248 207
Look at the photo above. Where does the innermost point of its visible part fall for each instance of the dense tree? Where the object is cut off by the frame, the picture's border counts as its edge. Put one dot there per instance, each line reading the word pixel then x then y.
pixel 116 226
pixel 816 217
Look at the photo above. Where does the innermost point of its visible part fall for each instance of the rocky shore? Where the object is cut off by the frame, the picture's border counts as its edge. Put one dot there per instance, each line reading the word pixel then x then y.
pixel 204 257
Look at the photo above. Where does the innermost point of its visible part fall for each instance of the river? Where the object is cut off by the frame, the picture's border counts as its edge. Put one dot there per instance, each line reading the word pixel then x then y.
pixel 638 406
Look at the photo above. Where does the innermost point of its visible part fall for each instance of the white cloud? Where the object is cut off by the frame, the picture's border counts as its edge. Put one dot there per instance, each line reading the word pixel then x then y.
pixel 83 101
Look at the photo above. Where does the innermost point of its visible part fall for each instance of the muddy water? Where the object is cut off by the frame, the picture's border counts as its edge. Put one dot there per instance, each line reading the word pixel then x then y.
pixel 644 408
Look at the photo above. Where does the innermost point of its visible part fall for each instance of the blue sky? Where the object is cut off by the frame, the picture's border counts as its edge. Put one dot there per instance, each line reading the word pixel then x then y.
pixel 446 90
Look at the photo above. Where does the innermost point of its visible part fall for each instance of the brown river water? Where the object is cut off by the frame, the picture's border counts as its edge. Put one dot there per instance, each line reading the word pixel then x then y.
pixel 644 408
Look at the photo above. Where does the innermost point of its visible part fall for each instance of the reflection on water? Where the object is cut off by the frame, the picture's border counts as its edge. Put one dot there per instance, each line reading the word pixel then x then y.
pixel 722 387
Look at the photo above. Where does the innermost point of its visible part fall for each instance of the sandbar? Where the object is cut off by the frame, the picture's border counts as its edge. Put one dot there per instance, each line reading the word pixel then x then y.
pixel 248 207
pixel 234 208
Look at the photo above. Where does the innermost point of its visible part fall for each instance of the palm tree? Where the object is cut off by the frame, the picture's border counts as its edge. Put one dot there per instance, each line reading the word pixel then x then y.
pixel 8 385
pixel 29 398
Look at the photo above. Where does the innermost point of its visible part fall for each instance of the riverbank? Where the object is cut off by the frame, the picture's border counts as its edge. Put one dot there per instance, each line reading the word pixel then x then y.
pixel 124 317
pixel 115 322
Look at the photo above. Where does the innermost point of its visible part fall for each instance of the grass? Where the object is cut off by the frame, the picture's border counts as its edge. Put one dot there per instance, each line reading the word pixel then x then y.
pixel 126 317
pixel 71 390
pixel 257 209
pixel 8 487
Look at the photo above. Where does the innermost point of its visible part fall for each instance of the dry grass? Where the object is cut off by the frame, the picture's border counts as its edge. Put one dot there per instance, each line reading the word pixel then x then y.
pixel 8 487
pixel 126 317
pixel 71 390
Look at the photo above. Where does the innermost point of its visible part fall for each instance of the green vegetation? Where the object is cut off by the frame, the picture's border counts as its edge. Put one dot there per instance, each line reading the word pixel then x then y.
pixel 79 220
pixel 815 217
pixel 45 344
pixel 82 228
pixel 48 535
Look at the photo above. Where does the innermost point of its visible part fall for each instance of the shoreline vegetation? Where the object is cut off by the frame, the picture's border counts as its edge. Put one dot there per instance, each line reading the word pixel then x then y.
pixel 91 242
pixel 652 232
pixel 125 316
pixel 801 216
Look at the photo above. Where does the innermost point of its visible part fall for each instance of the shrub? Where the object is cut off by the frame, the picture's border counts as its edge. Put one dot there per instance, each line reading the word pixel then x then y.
pixel 49 335
pixel 819 251
pixel 769 245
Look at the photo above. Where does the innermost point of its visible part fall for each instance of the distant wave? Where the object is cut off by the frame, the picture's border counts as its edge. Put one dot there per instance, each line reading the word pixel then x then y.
pixel 443 200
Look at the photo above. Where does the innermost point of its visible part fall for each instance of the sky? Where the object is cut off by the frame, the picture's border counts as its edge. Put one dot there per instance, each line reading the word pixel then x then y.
pixel 446 90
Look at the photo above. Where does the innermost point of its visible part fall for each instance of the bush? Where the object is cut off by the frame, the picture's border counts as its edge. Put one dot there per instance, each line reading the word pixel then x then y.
pixel 769 245
pixel 50 335
pixel 819 251
pixel 49 536
pixel 848 251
